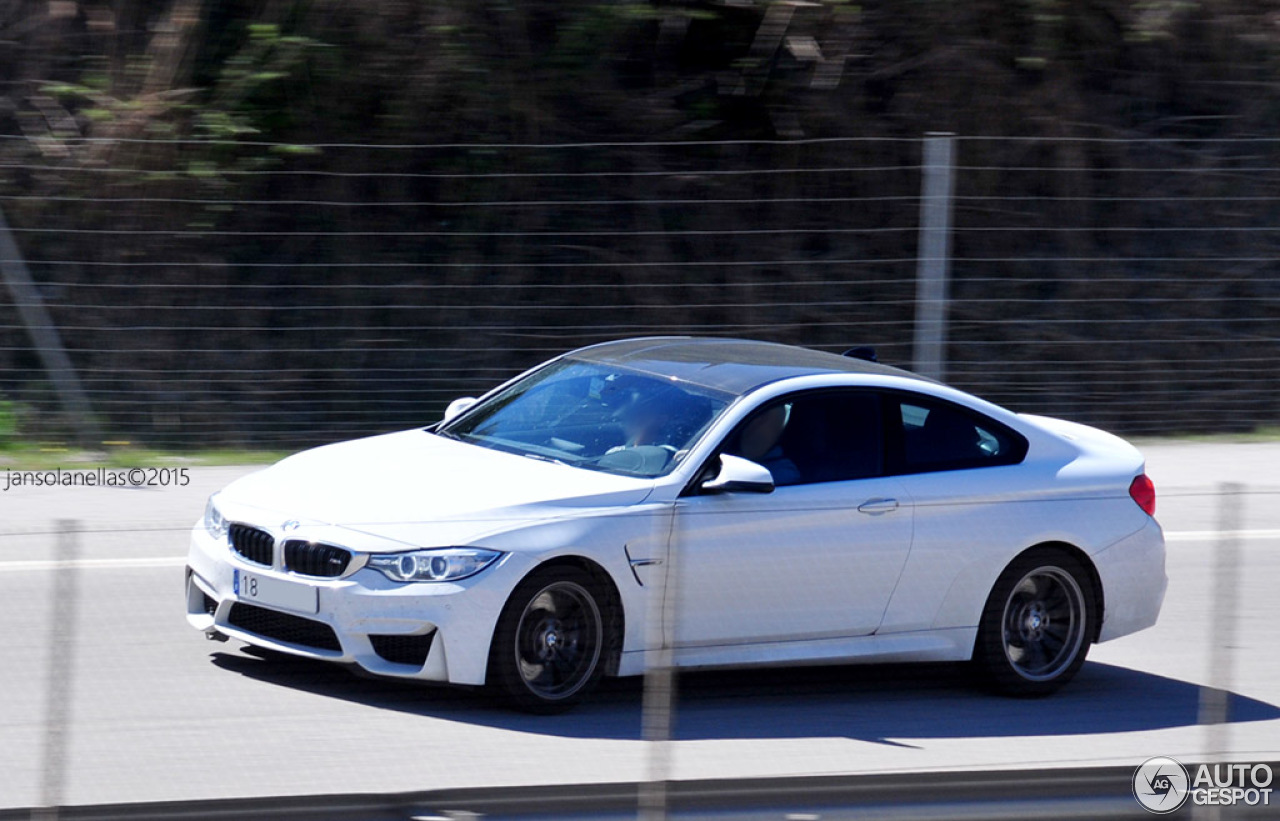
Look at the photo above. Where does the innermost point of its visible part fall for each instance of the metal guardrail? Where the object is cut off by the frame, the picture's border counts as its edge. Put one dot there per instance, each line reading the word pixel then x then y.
pixel 1095 793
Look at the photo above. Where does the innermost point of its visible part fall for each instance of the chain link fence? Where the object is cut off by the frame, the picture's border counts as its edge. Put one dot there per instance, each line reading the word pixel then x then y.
pixel 1129 283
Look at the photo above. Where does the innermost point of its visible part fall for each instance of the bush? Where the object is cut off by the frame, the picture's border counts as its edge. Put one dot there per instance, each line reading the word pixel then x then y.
pixel 8 422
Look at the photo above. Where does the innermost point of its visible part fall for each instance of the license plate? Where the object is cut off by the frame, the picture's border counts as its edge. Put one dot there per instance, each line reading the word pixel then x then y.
pixel 251 587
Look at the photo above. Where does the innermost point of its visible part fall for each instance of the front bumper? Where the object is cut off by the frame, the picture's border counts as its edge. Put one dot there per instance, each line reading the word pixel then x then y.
pixel 435 631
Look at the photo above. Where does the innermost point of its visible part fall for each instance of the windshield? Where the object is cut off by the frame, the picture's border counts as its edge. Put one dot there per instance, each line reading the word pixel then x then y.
pixel 593 416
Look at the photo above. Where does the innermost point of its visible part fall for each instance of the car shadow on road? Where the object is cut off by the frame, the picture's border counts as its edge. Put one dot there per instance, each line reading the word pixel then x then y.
pixel 888 704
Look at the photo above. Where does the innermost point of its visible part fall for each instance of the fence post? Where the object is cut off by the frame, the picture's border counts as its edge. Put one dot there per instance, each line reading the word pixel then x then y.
pixel 658 703
pixel 934 255
pixel 58 685
pixel 658 713
pixel 45 338
pixel 1215 699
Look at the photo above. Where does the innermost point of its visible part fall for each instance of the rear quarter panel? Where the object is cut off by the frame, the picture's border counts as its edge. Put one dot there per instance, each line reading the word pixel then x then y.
pixel 970 524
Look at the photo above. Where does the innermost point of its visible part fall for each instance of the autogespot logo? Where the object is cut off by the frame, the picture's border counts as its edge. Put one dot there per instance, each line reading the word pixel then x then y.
pixel 1161 785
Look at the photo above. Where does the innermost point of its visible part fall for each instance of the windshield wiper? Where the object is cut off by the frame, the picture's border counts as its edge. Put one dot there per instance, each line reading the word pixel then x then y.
pixel 544 458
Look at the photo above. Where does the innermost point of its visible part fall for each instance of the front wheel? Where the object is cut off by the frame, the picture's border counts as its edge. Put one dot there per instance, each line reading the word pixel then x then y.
pixel 1037 624
pixel 549 642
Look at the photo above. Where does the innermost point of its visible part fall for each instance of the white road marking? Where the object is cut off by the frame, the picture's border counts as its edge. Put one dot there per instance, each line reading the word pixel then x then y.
pixel 1206 535
pixel 179 561
pixel 93 564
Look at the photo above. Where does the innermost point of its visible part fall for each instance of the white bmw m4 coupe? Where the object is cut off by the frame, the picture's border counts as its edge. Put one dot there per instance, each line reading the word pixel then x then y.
pixel 707 502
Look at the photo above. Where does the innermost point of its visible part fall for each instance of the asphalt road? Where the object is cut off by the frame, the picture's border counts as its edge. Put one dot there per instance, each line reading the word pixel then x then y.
pixel 157 713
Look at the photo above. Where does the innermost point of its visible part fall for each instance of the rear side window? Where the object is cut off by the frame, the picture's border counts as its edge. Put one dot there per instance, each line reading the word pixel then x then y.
pixel 935 435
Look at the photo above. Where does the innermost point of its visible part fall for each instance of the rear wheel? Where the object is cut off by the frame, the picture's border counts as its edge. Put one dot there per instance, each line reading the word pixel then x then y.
pixel 1037 624
pixel 549 643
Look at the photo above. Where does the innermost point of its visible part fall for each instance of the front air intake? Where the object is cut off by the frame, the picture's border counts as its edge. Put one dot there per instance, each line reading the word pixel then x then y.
pixel 283 627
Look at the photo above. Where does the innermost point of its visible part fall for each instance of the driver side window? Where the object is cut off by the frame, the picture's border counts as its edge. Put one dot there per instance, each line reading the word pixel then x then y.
pixel 822 436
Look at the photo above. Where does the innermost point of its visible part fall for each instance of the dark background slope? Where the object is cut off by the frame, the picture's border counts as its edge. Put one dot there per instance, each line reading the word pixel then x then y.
pixel 281 223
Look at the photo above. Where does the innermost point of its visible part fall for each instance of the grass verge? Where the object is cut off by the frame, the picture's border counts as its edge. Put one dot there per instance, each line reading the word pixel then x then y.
pixel 43 456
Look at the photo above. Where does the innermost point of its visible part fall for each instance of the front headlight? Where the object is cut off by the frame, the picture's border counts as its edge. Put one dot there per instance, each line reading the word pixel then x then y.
pixel 444 564
pixel 214 523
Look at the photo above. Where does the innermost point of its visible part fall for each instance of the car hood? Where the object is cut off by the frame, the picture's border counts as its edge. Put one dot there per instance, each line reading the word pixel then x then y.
pixel 391 485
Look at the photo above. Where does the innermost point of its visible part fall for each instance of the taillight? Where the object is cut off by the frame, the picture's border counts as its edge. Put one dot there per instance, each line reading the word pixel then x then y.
pixel 1143 491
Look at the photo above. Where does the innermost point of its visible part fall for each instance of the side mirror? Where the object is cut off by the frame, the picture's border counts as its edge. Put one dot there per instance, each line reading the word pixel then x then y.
pixel 738 475
pixel 458 407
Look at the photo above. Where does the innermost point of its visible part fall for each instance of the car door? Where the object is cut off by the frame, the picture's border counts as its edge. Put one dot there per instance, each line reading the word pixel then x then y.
pixel 970 494
pixel 816 558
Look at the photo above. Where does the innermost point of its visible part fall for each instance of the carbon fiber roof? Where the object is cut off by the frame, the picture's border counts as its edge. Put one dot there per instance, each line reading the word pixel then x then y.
pixel 736 366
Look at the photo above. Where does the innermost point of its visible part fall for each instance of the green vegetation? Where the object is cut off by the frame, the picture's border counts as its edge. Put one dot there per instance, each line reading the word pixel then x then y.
pixel 1135 180
pixel 1262 434
pixel 46 456
pixel 8 423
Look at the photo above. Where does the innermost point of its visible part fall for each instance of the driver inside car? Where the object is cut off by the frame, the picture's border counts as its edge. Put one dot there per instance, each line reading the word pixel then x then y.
pixel 655 427
pixel 647 421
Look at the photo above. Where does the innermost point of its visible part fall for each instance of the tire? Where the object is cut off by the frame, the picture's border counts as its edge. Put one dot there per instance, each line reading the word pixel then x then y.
pixel 548 649
pixel 1037 624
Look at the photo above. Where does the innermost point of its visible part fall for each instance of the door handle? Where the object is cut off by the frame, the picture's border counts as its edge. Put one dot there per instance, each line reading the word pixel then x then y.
pixel 876 507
